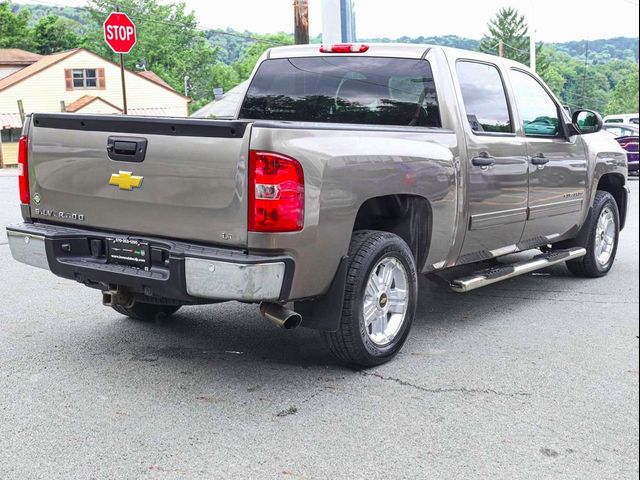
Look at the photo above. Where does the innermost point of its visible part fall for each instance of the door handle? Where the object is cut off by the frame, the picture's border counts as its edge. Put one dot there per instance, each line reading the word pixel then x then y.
pixel 539 160
pixel 127 149
pixel 483 161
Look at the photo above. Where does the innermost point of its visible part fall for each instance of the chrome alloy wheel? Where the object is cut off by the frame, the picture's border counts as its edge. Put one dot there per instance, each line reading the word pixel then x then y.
pixel 605 236
pixel 386 300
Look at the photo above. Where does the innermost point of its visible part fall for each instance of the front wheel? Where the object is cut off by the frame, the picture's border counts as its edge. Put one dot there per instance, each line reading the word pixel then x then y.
pixel 601 240
pixel 380 300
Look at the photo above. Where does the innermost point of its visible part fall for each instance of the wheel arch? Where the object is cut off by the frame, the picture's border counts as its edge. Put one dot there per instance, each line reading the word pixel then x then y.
pixel 406 215
pixel 614 183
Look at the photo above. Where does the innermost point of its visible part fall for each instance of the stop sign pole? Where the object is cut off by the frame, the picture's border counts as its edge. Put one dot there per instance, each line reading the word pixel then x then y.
pixel 120 35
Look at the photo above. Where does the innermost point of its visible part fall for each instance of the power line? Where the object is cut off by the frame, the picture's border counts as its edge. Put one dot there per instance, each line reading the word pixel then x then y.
pixel 586 64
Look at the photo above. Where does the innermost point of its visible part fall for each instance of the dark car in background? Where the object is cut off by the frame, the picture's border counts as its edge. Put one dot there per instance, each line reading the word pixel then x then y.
pixel 627 137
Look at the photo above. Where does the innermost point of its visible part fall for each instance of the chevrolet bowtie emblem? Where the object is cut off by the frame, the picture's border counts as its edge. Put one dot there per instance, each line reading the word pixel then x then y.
pixel 125 180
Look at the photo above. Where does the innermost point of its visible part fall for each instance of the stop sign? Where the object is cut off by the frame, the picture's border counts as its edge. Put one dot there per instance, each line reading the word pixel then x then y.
pixel 119 32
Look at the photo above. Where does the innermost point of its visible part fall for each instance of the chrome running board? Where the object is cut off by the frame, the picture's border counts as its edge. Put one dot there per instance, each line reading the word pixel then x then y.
pixel 504 272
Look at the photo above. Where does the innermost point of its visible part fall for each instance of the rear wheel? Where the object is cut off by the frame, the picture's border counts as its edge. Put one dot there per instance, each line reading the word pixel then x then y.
pixel 380 300
pixel 146 311
pixel 601 239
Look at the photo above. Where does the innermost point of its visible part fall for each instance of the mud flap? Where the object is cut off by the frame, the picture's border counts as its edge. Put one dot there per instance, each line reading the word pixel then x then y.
pixel 324 313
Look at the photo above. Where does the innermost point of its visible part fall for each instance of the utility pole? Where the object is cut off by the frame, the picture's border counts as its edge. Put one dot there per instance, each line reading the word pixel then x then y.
pixel 584 76
pixel 532 51
pixel 532 37
pixel 301 21
pixel 500 48
pixel 21 111
pixel 187 81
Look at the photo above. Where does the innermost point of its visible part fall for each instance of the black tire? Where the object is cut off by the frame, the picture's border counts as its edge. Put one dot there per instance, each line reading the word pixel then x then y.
pixel 146 311
pixel 352 344
pixel 589 266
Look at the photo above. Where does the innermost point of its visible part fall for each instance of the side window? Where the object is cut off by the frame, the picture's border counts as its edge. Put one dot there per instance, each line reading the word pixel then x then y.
pixel 484 97
pixel 537 109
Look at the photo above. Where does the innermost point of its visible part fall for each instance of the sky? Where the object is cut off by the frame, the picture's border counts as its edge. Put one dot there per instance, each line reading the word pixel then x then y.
pixel 554 20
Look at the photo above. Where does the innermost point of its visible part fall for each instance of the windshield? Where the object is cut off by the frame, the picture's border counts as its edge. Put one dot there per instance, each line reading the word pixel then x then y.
pixel 365 90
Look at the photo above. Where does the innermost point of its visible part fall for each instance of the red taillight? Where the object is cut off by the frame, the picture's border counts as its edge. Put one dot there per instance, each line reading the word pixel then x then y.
pixel 344 48
pixel 276 193
pixel 23 169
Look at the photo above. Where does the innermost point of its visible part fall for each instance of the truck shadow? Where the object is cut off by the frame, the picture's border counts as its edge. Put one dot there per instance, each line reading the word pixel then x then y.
pixel 227 354
pixel 234 333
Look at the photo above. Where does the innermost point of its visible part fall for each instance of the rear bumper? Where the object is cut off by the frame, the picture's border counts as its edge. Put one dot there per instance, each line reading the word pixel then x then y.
pixel 180 271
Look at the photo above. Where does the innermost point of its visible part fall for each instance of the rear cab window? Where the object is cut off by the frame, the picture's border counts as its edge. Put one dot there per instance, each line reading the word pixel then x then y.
pixel 336 89
pixel 484 98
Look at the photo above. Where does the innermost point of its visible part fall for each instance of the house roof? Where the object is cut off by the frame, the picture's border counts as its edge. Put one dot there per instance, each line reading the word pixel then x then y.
pixel 86 100
pixel 149 75
pixel 50 60
pixel 10 120
pixel 42 64
pixel 15 56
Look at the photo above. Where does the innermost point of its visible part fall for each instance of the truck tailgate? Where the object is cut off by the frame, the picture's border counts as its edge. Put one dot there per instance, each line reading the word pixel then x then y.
pixel 190 183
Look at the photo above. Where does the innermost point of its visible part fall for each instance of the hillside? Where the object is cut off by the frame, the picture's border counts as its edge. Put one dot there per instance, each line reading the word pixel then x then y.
pixel 232 43
pixel 599 51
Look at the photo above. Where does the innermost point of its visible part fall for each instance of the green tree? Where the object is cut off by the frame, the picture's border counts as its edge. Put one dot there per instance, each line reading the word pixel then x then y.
pixel 54 34
pixel 510 27
pixel 244 66
pixel 14 29
pixel 225 76
pixel 624 97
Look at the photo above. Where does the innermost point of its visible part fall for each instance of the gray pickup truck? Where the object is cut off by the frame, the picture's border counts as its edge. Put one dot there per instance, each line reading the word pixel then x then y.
pixel 348 171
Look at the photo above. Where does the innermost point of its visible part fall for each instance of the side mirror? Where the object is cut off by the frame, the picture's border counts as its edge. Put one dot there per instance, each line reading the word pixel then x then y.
pixel 585 121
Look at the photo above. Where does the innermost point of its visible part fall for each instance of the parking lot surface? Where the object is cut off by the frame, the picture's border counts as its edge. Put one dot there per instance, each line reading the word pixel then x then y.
pixel 536 377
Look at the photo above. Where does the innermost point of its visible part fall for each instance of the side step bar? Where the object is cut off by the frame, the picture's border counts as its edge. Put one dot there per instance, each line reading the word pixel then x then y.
pixel 504 272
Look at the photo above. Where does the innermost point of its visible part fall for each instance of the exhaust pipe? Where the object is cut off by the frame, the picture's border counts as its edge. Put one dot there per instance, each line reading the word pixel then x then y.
pixel 281 317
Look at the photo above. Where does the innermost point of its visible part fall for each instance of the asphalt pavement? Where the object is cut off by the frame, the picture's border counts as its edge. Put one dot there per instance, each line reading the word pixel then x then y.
pixel 534 378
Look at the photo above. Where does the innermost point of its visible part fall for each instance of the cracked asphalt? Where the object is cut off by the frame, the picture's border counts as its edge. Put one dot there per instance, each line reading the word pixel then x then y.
pixel 536 377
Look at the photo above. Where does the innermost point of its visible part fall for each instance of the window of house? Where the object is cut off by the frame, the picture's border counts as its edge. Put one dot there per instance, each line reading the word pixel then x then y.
pixel 85 78
pixel 10 135
pixel 484 97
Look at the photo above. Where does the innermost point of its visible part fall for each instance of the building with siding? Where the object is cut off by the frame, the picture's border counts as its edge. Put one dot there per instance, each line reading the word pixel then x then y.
pixel 14 59
pixel 77 81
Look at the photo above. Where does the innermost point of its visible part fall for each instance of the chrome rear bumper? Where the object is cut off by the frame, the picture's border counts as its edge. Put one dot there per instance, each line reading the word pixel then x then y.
pixel 184 272
pixel 28 248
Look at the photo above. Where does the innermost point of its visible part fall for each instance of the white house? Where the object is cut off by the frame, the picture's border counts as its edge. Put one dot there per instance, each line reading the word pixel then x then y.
pixel 14 59
pixel 78 81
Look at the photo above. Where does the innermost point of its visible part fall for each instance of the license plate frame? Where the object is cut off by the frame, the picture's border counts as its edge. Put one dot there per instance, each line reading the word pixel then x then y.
pixel 129 252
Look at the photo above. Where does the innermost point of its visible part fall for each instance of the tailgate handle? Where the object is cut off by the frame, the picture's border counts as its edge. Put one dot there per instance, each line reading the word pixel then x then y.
pixel 127 149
